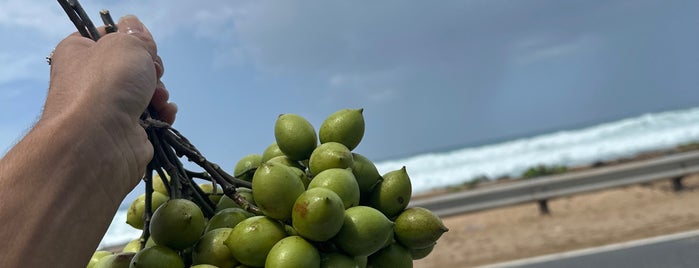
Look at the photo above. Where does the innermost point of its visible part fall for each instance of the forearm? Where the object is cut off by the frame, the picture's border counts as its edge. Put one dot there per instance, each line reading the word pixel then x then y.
pixel 61 186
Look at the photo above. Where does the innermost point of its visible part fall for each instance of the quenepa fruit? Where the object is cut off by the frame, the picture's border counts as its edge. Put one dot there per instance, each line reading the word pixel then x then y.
pixel 246 166
pixel 270 152
pixel 295 136
pixel 119 260
pixel 418 227
pixel 318 214
pixel 329 155
pixel 292 252
pixel 394 255
pixel 364 231
pixel 276 188
pixel 340 181
pixel 133 246
pixel 419 253
pixel 210 249
pixel 159 186
pixel 134 216
pixel 157 257
pixel 227 218
pixel 177 224
pixel 251 240
pixel 98 255
pixel 226 202
pixel 345 126
pixel 365 172
pixel 336 259
pixel 392 194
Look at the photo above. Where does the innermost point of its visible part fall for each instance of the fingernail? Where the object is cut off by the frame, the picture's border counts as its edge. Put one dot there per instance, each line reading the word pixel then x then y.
pixel 131 24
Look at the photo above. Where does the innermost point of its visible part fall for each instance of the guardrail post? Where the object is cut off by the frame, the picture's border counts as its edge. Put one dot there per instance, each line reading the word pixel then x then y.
pixel 677 184
pixel 544 207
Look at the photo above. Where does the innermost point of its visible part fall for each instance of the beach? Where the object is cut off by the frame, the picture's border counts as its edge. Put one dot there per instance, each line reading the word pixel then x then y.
pixel 576 222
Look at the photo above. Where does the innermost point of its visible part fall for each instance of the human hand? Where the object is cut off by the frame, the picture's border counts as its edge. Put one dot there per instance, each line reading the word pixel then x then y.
pixel 104 87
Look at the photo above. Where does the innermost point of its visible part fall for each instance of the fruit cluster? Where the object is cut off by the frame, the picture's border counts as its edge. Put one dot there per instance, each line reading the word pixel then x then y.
pixel 322 206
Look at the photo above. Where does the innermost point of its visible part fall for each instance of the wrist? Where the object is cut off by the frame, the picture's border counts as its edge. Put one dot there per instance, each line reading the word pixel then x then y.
pixel 98 149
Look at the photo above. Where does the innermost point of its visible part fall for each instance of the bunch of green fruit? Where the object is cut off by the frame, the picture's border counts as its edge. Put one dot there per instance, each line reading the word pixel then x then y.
pixel 322 206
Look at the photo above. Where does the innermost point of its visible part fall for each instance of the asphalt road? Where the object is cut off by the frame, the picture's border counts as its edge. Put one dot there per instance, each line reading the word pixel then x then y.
pixel 681 250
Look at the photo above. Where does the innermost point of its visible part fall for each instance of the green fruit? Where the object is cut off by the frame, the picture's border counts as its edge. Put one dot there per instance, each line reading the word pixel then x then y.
pixel 284 160
pixel 270 152
pixel 133 246
pixel 318 214
pixel 395 256
pixel 210 249
pixel 227 202
pixel 156 257
pixel 419 253
pixel 337 260
pixel 177 224
pixel 340 181
pixel 134 216
pixel 292 252
pixel 204 266
pixel 246 166
pixel 344 126
pixel 227 218
pixel 275 188
pixel 150 242
pixel 251 240
pixel 361 261
pixel 392 194
pixel 290 230
pixel 418 228
pixel 302 175
pixel 365 172
pixel 159 186
pixel 98 255
pixel 295 136
pixel 330 155
pixel 364 231
pixel 214 195
pixel 119 260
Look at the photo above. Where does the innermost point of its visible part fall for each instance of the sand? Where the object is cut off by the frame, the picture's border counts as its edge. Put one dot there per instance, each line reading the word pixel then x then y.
pixel 576 222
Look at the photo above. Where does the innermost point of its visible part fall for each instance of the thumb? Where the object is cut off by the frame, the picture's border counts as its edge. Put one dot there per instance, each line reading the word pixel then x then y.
pixel 131 25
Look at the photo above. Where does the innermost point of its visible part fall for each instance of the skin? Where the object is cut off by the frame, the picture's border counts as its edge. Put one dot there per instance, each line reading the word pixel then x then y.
pixel 62 183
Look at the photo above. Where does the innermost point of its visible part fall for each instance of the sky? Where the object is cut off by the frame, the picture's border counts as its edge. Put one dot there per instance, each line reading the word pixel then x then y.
pixel 430 75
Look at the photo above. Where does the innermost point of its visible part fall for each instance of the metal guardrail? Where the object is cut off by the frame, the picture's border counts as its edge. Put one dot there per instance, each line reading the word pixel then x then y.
pixel 544 188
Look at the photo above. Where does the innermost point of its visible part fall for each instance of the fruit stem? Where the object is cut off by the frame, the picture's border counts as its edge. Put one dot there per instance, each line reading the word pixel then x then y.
pixel 162 160
pixel 148 179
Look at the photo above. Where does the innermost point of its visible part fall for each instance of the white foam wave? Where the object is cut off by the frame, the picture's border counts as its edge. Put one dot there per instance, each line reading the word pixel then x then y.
pixel 608 141
pixel 119 232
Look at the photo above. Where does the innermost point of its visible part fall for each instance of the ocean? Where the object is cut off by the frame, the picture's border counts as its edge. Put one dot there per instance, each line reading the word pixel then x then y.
pixel 574 147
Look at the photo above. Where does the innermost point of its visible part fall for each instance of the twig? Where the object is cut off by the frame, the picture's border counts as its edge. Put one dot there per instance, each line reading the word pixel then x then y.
pixel 109 25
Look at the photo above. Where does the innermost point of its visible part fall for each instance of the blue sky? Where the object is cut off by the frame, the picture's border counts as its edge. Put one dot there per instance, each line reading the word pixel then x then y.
pixel 430 75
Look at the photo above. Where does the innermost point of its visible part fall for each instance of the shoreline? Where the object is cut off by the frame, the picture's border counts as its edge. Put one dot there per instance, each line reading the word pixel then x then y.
pixel 471 185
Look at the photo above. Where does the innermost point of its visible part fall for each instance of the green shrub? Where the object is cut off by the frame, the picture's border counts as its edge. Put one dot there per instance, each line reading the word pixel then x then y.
pixel 542 170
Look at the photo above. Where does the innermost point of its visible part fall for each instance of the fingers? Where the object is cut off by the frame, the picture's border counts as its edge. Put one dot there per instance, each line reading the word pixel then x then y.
pixel 159 67
pixel 166 111
pixel 131 25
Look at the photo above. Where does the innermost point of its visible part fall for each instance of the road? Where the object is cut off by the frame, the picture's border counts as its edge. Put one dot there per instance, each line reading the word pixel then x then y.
pixel 678 250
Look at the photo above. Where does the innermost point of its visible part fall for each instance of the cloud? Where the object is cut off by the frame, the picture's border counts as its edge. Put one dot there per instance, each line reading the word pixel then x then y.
pixel 538 48
pixel 34 17
pixel 18 67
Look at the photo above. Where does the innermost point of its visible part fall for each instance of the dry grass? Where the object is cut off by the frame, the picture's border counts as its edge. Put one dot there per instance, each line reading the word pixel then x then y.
pixel 579 221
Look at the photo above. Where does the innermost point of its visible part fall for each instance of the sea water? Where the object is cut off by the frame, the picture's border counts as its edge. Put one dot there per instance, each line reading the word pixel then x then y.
pixel 614 140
